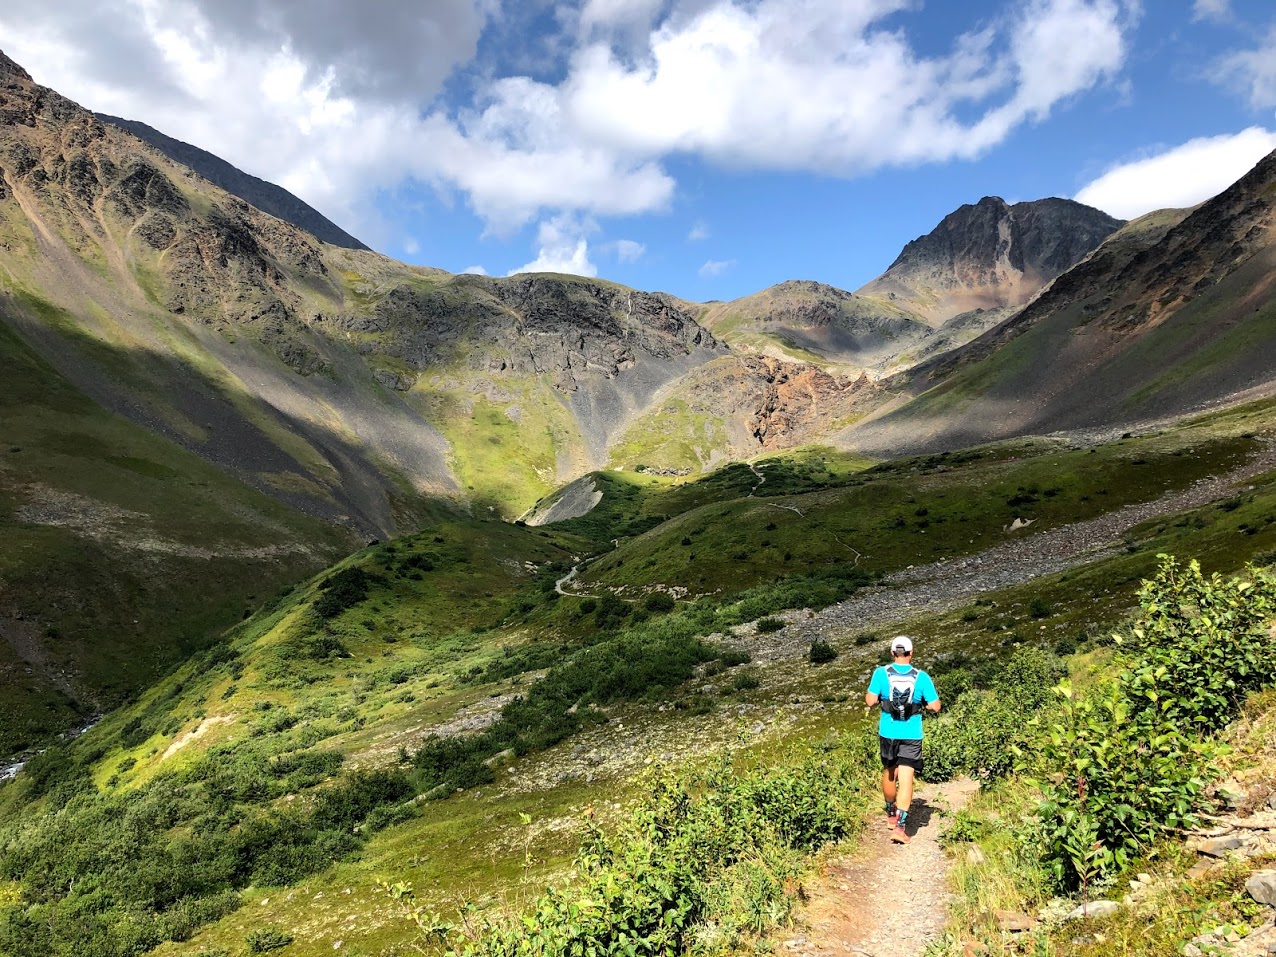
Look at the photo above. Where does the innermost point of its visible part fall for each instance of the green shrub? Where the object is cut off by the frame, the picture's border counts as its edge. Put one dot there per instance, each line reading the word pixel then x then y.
pixel 821 652
pixel 659 602
pixel 746 681
pixel 977 735
pixel 710 855
pixel 770 625
pixel 1128 763
pixel 267 939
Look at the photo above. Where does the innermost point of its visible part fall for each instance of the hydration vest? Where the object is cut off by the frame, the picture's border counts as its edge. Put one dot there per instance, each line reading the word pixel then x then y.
pixel 898 702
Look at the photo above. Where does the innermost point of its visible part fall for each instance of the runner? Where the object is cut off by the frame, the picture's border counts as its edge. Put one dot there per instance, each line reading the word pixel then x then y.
pixel 902 692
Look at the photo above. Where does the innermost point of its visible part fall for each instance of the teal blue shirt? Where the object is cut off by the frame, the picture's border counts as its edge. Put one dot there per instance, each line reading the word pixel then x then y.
pixel 923 689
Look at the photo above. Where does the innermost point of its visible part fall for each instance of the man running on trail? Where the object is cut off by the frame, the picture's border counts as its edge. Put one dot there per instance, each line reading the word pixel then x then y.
pixel 903 692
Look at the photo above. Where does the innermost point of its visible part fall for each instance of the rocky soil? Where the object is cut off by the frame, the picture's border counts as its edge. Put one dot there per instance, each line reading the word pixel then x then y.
pixel 884 900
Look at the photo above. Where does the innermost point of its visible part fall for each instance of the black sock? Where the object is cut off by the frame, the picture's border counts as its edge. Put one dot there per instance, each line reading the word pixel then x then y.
pixel 890 807
pixel 903 816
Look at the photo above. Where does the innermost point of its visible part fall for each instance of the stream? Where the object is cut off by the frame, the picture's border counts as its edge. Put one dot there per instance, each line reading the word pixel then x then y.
pixel 12 765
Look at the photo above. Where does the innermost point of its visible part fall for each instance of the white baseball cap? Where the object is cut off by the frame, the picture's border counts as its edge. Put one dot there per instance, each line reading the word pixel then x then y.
pixel 902 644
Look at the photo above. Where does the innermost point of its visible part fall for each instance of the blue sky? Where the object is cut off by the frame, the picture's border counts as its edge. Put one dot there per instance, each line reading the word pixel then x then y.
pixel 708 148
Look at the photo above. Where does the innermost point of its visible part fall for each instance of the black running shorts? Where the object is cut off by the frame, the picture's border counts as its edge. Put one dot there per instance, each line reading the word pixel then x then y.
pixel 896 752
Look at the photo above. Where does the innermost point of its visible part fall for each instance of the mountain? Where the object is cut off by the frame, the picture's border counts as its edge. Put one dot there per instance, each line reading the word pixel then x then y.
pixel 267 197
pixel 977 267
pixel 348 385
pixel 1175 312
pixel 810 321
pixel 204 404
pixel 990 256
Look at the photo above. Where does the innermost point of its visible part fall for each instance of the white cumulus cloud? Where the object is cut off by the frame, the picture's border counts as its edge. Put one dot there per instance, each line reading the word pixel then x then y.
pixel 563 247
pixel 342 101
pixel 715 267
pixel 474 271
pixel 1182 176
pixel 1251 72
pixel 816 85
pixel 699 231
pixel 1211 9
pixel 628 250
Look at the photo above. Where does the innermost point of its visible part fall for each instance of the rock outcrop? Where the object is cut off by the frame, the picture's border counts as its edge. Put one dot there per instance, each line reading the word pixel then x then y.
pixel 267 197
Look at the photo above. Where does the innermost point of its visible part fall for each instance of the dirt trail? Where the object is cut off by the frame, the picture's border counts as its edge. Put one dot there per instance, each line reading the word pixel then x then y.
pixel 884 899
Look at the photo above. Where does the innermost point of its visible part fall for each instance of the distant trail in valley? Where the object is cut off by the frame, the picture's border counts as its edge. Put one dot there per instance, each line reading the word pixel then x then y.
pixel 759 475
pixel 944 585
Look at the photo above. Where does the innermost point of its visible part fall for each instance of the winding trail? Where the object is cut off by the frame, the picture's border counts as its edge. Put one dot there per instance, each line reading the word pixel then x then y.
pixel 883 899
pixel 944 585
pixel 566 580
pixel 759 475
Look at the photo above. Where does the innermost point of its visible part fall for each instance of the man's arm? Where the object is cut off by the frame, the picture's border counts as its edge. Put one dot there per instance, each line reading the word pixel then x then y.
pixel 872 697
pixel 932 699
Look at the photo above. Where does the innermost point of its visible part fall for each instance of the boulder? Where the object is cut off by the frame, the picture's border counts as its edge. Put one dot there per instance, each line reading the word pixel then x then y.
pixel 1262 887
pixel 1219 846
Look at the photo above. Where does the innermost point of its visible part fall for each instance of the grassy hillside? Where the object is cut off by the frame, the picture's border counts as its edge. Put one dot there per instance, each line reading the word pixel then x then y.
pixel 124 554
pixel 1173 314
pixel 904 513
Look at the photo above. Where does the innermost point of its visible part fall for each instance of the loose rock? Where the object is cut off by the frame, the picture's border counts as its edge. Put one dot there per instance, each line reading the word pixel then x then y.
pixel 1262 887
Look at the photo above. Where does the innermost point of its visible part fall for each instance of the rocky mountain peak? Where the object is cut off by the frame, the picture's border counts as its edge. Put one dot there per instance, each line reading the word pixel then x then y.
pixel 1047 236
pixel 11 70
pixel 991 255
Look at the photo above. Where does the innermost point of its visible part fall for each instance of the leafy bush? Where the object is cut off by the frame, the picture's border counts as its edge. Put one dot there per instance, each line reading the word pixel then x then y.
pixel 267 939
pixel 705 856
pixel 821 652
pixel 1128 763
pixel 977 735
pixel 345 589
pixel 769 626
pixel 746 681
pixel 659 602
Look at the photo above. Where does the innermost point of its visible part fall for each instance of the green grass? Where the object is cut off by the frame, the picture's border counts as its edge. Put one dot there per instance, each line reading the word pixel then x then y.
pixel 123 553
pixel 464 611
pixel 677 436
pixel 904 513
pixel 504 454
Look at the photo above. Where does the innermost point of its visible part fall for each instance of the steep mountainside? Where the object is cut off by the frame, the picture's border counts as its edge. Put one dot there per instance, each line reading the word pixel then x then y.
pixel 975 269
pixel 773 405
pixel 1173 313
pixel 267 197
pixel 349 385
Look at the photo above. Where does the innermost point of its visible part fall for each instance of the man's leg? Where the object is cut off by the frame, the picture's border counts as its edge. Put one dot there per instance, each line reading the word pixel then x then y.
pixel 889 788
pixel 904 790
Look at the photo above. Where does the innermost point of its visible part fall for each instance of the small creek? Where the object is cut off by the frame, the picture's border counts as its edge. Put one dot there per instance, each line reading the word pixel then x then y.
pixel 13 765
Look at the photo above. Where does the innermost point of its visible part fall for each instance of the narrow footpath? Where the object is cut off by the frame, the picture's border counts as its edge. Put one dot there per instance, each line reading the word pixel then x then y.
pixel 884 899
